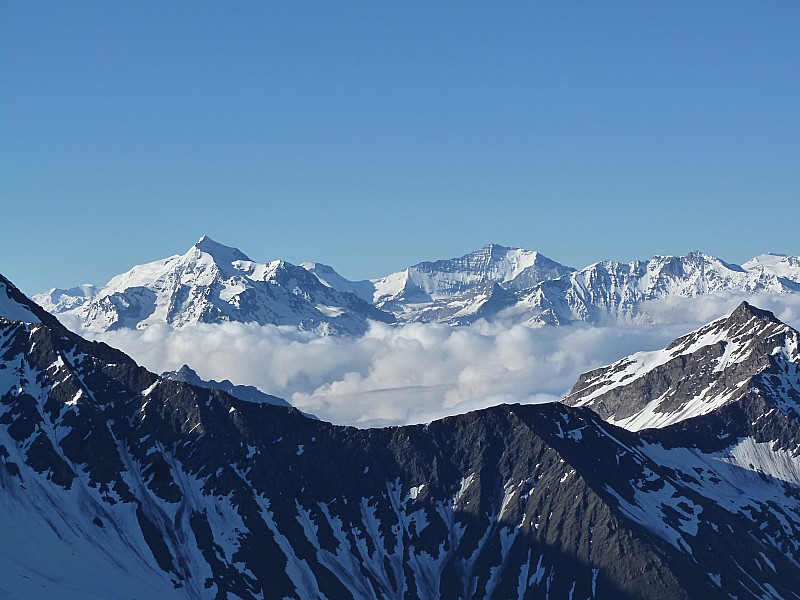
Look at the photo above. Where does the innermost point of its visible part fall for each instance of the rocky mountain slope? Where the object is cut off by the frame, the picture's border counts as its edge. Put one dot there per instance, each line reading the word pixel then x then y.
pixel 212 283
pixel 736 358
pixel 115 483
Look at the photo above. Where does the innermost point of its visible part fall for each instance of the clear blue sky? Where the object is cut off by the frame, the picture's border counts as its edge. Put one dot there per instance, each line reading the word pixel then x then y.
pixel 373 135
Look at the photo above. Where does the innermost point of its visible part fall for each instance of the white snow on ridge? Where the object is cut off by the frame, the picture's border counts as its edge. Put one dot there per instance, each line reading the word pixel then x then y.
pixel 650 416
pixel 778 265
pixel 420 284
pixel 328 276
pixel 58 300
pixel 649 509
pixel 212 283
pixel 12 310
pixel 465 483
pixel 747 478
pixel 762 458
pixel 625 371
pixel 537 290
pixel 515 268
pixel 640 364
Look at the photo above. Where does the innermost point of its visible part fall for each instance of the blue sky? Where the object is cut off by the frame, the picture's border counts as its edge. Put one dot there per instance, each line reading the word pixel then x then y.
pixel 373 135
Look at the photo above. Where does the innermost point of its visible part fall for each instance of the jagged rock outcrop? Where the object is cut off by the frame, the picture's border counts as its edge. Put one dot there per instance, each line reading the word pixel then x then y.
pixel 744 354
pixel 244 392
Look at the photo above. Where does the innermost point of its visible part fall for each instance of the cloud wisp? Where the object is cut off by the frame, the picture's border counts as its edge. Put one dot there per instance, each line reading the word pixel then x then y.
pixel 419 372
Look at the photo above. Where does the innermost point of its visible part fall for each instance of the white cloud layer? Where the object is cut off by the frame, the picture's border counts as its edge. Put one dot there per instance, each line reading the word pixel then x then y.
pixel 418 373
pixel 702 309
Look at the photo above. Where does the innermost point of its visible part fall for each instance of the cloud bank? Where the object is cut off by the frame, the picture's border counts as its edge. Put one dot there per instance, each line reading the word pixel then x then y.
pixel 419 372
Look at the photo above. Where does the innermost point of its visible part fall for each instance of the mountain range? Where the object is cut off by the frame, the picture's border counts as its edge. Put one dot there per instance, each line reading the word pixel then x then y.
pixel 118 483
pixel 213 283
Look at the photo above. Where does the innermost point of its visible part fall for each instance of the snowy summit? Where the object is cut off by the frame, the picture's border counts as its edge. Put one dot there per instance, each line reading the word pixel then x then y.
pixel 213 283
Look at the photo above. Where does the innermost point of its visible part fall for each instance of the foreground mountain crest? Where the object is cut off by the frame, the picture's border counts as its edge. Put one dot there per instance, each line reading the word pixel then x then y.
pixel 115 482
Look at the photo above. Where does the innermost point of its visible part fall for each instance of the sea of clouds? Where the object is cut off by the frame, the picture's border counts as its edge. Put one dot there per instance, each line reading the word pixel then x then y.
pixel 420 372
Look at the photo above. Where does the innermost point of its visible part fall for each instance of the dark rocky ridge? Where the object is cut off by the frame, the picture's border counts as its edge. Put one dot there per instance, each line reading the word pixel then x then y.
pixel 212 495
pixel 244 392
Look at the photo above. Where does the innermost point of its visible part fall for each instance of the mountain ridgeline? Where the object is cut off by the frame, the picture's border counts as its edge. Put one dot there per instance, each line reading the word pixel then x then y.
pixel 212 283
pixel 118 483
pixel 741 357
pixel 244 392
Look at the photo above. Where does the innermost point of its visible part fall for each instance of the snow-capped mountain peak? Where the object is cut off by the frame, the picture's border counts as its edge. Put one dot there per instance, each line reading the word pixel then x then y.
pixel 778 265
pixel 213 283
pixel 512 267
pixel 424 289
pixel 746 352
pixel 221 253
pixel 203 263
pixel 611 290
pixel 411 292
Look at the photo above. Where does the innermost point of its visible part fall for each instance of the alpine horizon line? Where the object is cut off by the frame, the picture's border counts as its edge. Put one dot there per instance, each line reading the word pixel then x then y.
pixel 213 283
